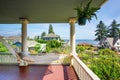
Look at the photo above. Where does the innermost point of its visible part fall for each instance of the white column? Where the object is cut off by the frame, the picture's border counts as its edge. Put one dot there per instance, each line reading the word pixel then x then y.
pixel 72 35
pixel 24 22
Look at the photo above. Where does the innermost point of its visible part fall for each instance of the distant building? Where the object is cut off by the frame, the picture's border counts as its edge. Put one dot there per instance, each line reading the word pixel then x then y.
pixel 30 45
pixel 18 46
pixel 112 43
pixel 51 36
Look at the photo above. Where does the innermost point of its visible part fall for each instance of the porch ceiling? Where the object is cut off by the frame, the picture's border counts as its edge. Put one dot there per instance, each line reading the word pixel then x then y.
pixel 40 11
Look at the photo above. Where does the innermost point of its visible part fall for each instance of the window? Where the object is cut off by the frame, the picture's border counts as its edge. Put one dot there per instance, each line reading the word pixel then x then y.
pixel 118 43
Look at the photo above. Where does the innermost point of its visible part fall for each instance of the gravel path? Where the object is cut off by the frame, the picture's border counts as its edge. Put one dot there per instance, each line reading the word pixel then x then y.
pixel 51 58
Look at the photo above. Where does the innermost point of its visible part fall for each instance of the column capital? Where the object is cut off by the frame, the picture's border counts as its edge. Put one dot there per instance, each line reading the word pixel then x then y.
pixel 72 19
pixel 23 20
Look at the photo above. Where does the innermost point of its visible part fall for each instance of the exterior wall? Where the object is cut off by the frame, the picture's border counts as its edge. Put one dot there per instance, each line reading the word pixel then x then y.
pixel 117 45
pixel 107 44
pixel 51 38
pixel 42 48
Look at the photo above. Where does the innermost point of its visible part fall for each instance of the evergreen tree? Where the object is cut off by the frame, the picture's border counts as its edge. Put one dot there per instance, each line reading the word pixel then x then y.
pixel 35 38
pixel 38 37
pixel 101 31
pixel 113 29
pixel 43 34
pixel 50 29
pixel 28 38
pixel 119 33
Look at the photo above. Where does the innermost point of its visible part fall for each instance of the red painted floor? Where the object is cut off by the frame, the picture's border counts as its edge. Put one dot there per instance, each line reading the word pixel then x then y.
pixel 37 72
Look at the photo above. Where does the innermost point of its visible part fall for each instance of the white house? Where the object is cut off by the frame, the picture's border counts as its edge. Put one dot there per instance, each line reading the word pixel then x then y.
pixel 32 44
pixel 51 36
pixel 112 43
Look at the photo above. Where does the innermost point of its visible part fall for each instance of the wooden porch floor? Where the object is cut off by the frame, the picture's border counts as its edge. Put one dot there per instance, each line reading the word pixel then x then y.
pixel 37 72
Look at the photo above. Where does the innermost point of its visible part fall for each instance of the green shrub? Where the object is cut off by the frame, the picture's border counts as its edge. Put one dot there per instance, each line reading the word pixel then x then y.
pixel 66 60
pixel 3 48
pixel 105 64
pixel 41 41
pixel 37 47
pixel 80 49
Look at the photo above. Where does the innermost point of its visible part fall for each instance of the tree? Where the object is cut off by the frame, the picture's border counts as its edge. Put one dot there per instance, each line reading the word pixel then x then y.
pixel 119 33
pixel 113 29
pixel 50 29
pixel 101 31
pixel 28 38
pixel 37 37
pixel 43 34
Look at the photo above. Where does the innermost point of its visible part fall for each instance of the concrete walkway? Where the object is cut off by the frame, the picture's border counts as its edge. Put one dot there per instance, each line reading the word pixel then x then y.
pixel 50 58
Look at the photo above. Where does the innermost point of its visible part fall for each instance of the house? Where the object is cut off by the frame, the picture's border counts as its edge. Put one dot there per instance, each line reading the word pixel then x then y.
pixel 30 46
pixel 51 36
pixel 112 43
pixel 17 46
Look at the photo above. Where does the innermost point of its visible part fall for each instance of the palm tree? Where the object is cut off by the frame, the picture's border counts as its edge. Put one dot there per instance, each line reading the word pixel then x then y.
pixel 101 31
pixel 113 29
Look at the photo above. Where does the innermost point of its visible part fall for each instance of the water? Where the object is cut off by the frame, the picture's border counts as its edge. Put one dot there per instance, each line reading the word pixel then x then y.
pixel 89 41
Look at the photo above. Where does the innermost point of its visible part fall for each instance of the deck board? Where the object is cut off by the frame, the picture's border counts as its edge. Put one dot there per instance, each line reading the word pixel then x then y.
pixel 37 72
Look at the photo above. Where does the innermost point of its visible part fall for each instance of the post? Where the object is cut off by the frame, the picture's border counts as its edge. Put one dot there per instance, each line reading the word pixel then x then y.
pixel 24 22
pixel 72 21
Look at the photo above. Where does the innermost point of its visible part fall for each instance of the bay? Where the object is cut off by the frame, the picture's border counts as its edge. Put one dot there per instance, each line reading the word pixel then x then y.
pixel 89 41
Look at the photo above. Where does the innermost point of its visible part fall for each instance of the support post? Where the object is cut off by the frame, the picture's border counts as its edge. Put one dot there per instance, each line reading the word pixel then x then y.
pixel 72 21
pixel 24 22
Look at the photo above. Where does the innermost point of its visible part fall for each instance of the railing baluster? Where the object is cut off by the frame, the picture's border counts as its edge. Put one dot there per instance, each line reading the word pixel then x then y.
pixel 7 58
pixel 83 72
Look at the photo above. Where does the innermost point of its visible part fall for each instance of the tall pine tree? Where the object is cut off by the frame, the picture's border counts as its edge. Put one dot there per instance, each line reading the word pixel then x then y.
pixel 113 29
pixel 50 29
pixel 101 31
pixel 43 34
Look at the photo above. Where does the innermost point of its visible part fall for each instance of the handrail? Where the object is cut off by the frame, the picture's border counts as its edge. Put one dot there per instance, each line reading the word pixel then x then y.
pixel 83 72
pixel 7 58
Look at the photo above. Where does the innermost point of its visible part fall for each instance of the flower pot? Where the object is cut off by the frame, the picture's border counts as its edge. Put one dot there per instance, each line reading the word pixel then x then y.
pixel 82 21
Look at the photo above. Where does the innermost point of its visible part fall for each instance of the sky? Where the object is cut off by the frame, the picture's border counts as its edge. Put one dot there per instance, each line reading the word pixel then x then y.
pixel 108 12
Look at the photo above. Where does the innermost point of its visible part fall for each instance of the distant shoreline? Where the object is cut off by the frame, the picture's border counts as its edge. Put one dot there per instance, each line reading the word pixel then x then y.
pixel 89 41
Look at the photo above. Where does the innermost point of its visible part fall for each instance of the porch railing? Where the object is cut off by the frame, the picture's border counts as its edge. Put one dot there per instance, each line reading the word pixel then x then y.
pixel 7 58
pixel 82 71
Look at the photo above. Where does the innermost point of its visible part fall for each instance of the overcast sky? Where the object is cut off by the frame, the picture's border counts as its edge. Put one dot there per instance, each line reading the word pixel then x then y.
pixel 108 12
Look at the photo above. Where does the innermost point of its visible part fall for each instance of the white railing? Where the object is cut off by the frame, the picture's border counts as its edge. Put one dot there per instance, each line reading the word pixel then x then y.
pixel 82 71
pixel 7 58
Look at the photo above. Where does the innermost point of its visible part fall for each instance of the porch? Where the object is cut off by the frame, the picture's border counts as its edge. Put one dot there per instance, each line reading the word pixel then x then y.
pixel 45 69
pixel 43 11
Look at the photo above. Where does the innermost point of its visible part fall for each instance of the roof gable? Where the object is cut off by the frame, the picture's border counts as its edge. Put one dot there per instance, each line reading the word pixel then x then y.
pixel 112 41
pixel 51 35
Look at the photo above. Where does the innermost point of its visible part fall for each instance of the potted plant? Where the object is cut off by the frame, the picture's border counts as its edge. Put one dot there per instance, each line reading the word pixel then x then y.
pixel 85 13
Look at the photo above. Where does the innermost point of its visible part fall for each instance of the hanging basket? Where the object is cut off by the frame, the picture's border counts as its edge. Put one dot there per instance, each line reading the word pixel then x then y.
pixel 82 21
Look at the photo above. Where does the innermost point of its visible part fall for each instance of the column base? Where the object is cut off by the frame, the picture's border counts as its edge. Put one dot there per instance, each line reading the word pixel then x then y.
pixel 25 57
